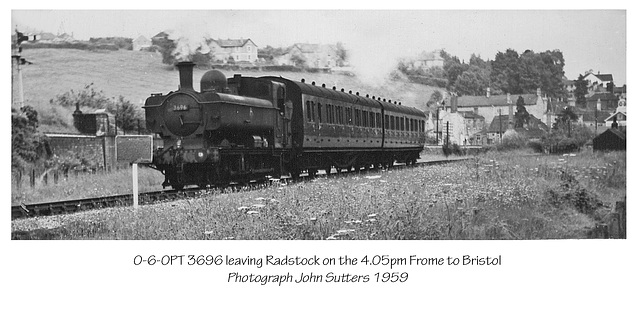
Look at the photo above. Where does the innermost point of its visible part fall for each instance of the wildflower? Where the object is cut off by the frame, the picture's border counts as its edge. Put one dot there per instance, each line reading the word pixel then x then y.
pixel 243 208
pixel 373 177
pixel 372 215
pixel 208 232
pixel 332 237
pixel 258 206
pixel 252 212
pixel 228 238
pixel 260 199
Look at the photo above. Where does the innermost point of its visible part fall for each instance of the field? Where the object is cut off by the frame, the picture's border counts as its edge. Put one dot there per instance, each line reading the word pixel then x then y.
pixel 135 75
pixel 492 196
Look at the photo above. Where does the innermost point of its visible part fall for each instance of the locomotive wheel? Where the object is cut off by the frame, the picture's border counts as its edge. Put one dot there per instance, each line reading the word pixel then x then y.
pixel 328 170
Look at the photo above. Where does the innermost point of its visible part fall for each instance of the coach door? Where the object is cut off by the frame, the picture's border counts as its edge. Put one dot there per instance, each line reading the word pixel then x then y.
pixel 283 120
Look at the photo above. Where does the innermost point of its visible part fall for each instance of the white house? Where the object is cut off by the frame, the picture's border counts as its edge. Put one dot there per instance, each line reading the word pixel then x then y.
pixel 238 50
pixel 141 43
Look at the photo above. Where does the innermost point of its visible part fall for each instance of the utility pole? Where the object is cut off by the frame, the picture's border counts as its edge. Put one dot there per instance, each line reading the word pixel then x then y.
pixel 447 141
pixel 20 37
pixel 437 124
pixel 596 116
pixel 500 120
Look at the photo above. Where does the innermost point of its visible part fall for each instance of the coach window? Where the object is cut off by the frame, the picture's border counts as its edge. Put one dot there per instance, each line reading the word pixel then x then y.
pixel 320 112
pixel 309 114
pixel 386 122
pixel 365 119
pixel 393 123
pixel 378 120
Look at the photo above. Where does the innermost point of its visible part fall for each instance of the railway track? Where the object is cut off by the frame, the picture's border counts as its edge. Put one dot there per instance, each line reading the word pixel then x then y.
pixel 72 206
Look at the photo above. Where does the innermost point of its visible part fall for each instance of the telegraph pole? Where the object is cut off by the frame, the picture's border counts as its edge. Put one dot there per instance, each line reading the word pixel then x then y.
pixel 500 120
pixel 20 37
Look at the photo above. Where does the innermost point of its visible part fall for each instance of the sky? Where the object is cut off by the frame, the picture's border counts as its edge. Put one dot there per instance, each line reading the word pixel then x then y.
pixel 593 39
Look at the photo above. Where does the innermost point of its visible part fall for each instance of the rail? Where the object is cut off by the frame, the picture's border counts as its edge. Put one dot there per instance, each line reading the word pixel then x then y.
pixel 72 206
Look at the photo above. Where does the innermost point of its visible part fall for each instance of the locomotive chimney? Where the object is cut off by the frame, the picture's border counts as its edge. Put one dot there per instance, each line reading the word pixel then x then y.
pixel 186 74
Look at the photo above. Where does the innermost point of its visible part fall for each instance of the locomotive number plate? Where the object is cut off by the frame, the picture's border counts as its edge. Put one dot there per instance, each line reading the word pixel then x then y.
pixel 134 148
pixel 180 107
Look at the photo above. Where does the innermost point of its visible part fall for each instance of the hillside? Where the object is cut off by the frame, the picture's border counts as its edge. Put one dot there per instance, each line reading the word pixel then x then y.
pixel 135 75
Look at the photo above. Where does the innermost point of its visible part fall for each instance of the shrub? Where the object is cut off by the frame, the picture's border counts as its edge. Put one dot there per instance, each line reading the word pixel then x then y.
pixel 512 141
pixel 28 145
pixel 536 146
pixel 87 97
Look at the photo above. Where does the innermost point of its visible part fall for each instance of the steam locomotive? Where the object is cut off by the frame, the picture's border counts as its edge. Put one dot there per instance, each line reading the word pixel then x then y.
pixel 247 128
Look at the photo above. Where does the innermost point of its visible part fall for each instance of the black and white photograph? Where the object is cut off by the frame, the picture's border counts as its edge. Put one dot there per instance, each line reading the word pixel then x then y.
pixel 395 156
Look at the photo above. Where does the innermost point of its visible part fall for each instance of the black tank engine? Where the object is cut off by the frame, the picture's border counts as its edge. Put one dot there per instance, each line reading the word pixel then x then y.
pixel 246 128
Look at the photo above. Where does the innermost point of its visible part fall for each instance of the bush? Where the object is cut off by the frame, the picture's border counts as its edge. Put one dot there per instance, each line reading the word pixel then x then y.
pixel 452 148
pixel 536 146
pixel 28 145
pixel 87 97
pixel 512 141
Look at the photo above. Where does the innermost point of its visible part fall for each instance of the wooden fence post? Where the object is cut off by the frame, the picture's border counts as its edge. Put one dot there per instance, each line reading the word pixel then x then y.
pixel 621 211
pixel 32 179
pixel 19 180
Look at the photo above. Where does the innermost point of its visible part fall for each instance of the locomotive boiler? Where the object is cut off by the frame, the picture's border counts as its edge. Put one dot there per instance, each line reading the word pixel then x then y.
pixel 246 128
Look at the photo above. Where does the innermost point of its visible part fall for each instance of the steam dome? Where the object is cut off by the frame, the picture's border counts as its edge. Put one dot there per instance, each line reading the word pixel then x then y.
pixel 213 80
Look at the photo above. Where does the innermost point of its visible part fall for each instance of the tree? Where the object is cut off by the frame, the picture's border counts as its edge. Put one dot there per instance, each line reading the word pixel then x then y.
pixel 125 114
pixel 581 91
pixel 521 116
pixel 28 145
pixel 473 82
pixel 435 99
pixel 565 117
pixel 298 60
pixel 505 71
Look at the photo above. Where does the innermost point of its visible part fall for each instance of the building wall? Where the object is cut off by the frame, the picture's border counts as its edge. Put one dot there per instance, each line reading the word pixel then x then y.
pixel 99 150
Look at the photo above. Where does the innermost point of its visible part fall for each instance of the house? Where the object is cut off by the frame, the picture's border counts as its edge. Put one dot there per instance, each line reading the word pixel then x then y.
pixel 427 60
pixel 46 37
pixel 141 43
pixel 497 128
pixel 474 125
pixel 64 38
pixel 490 106
pixel 451 127
pixel 234 50
pixel 602 101
pixel 619 116
pixel 309 55
pixel 596 81
pixel 611 139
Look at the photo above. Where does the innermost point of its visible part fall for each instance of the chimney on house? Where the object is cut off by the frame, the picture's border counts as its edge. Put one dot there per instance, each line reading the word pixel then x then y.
pixel 599 105
pixel 454 103
pixel 488 92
